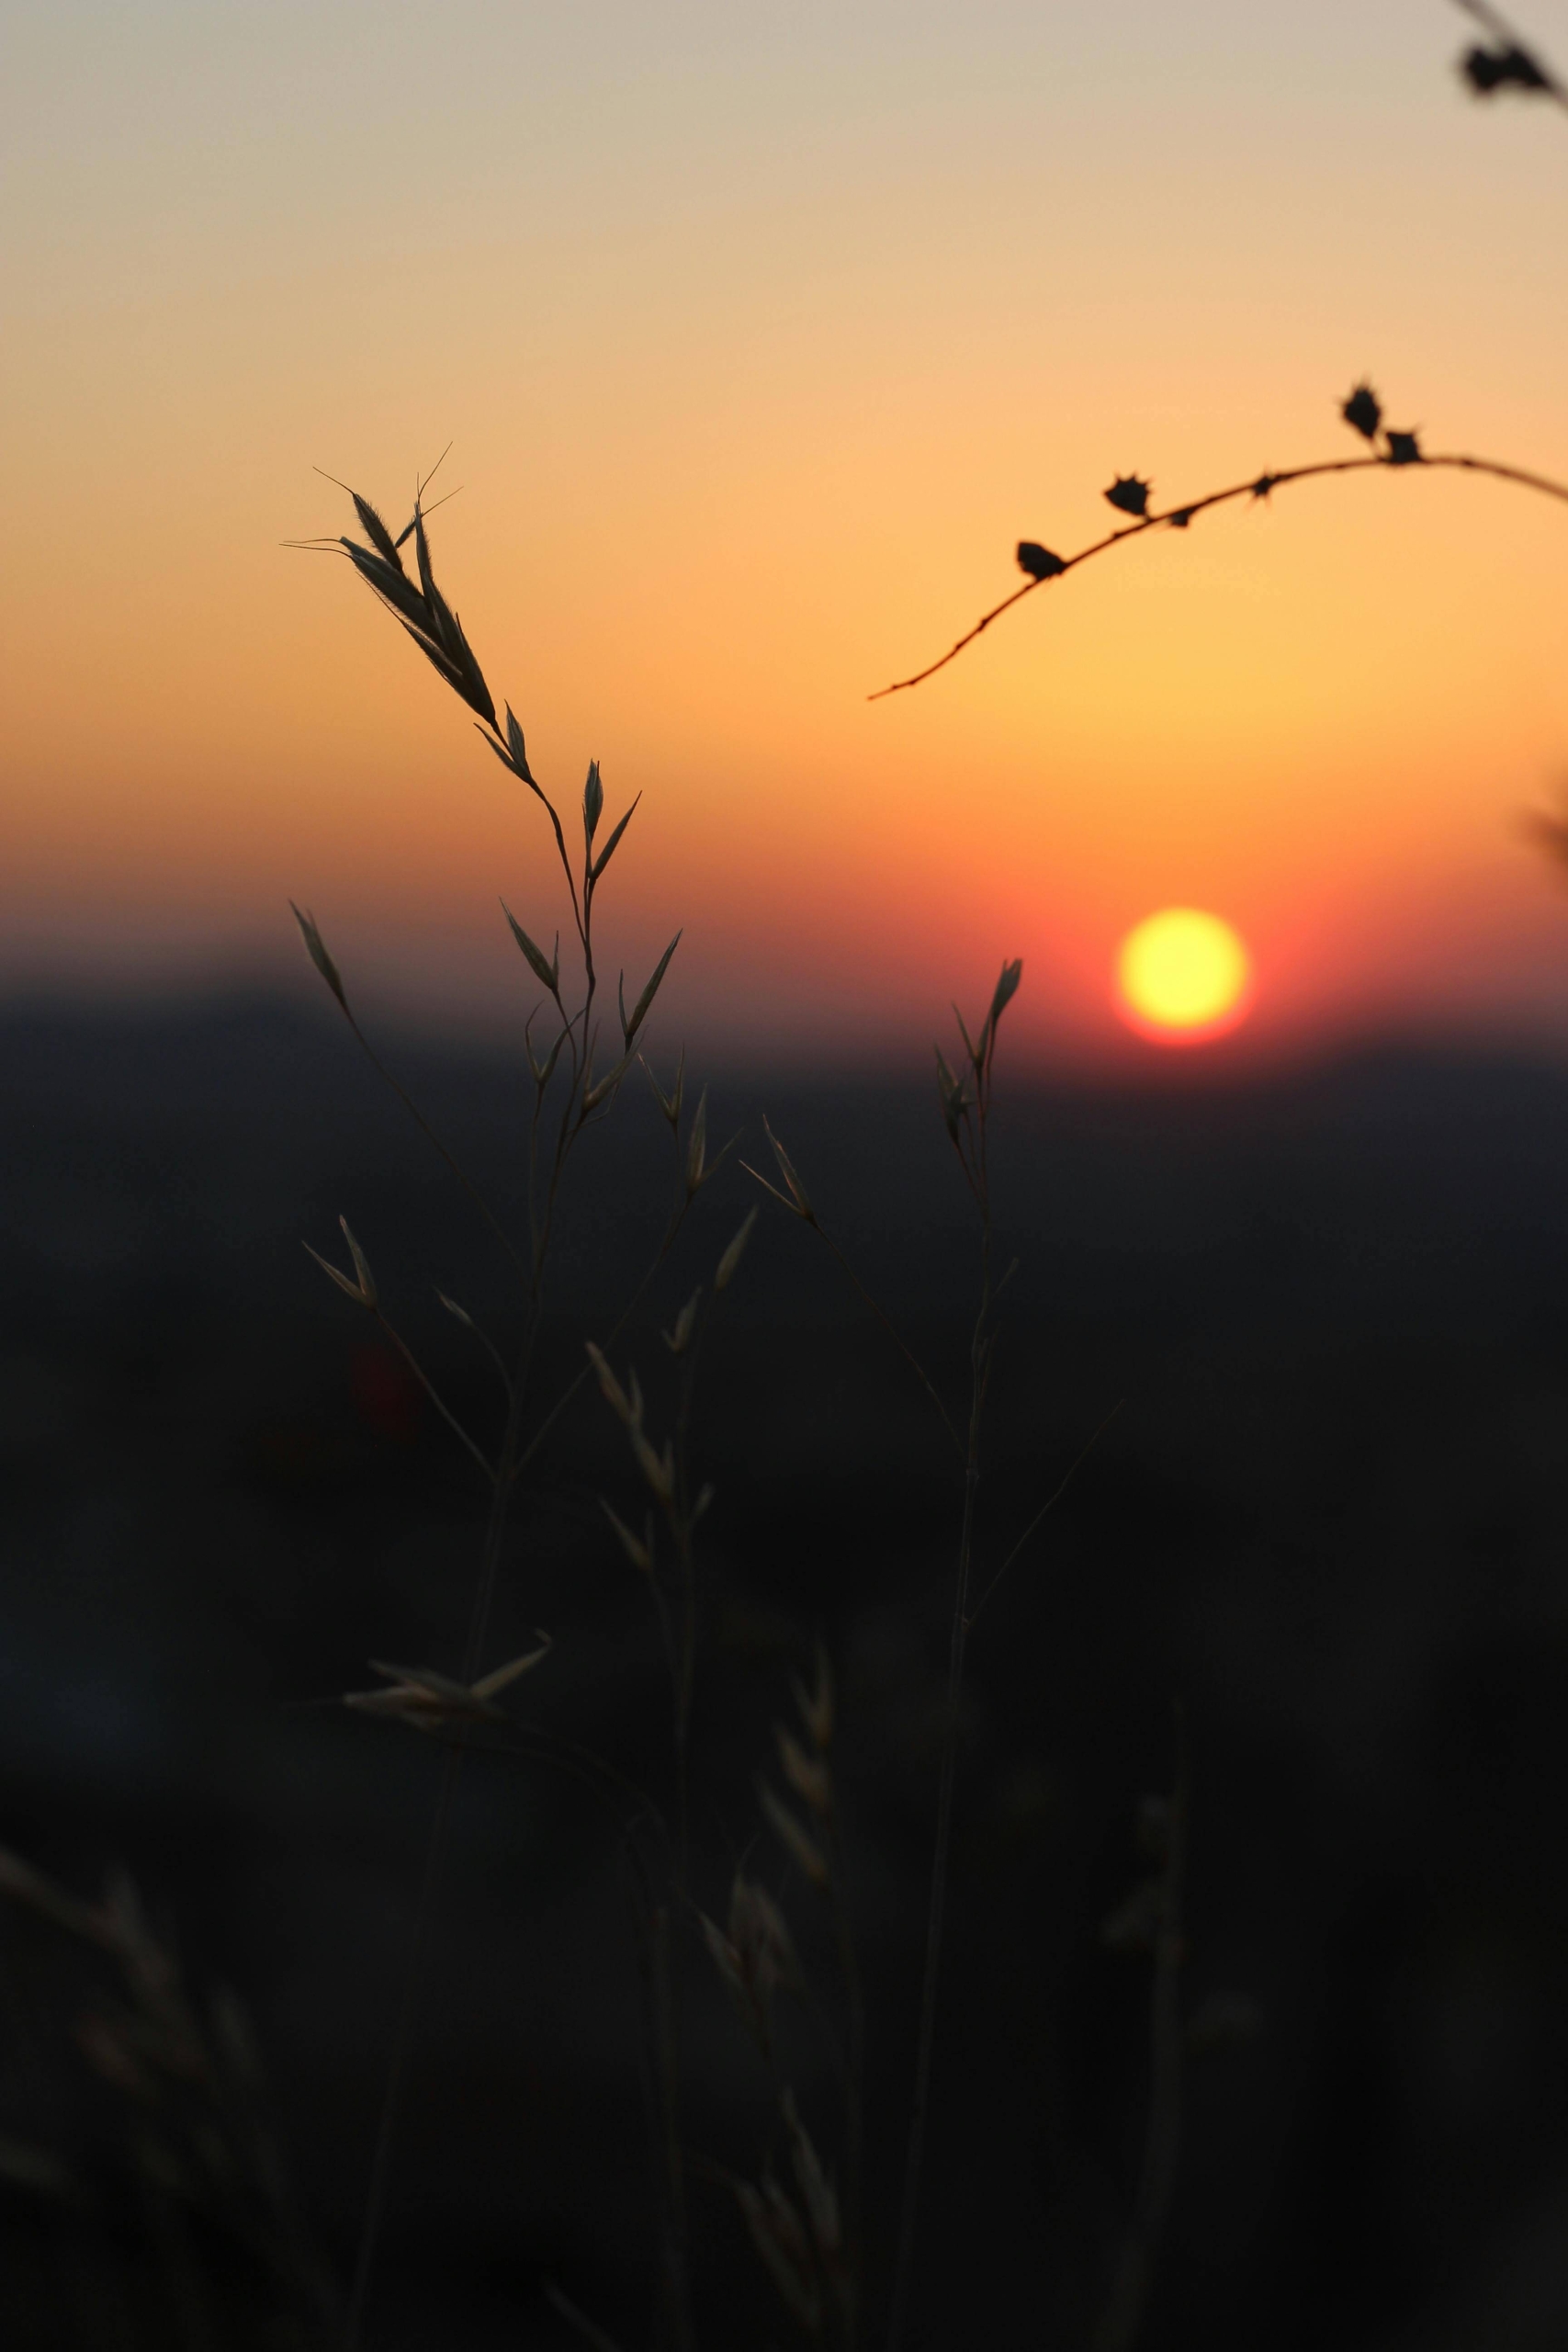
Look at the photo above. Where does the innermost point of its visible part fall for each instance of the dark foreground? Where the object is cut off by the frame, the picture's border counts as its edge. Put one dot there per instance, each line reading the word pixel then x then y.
pixel 1329 1519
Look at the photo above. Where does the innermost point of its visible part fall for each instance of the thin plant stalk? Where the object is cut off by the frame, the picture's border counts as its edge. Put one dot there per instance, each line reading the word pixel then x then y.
pixel 854 2078
pixel 402 2048
pixel 967 1116
pixel 937 1906
pixel 1122 2320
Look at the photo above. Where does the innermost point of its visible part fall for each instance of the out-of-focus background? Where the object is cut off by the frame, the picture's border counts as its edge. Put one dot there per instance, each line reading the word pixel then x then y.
pixel 1329 1517
pixel 760 338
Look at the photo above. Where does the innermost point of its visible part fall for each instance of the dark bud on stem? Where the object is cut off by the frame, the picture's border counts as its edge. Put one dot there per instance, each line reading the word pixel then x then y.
pixel 593 802
pixel 1130 495
pixel 1038 561
pixel 1404 450
pixel 1504 68
pixel 1362 413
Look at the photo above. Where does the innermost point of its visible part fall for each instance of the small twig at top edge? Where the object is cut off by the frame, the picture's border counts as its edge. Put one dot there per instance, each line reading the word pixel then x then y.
pixel 1515 49
pixel 1178 517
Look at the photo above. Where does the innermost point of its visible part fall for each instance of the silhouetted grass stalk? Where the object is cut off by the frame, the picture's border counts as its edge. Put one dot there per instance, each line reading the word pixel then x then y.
pixel 966 1102
pixel 565 1073
pixel 968 1117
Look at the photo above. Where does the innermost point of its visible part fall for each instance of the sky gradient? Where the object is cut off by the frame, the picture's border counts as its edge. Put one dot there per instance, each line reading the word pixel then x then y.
pixel 761 336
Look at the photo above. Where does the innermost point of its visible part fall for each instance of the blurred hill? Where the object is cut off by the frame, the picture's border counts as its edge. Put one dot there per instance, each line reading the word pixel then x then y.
pixel 1330 1514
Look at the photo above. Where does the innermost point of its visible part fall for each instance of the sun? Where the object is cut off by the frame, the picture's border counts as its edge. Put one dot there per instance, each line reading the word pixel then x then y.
pixel 1182 975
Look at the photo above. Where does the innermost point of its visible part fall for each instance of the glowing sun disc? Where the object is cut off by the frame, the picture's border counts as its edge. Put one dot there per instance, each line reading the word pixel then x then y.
pixel 1182 975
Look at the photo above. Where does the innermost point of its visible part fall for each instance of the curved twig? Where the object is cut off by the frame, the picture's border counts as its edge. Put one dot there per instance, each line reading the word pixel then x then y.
pixel 1178 517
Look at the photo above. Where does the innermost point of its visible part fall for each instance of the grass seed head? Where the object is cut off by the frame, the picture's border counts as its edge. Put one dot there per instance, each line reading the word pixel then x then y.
pixel 592 803
pixel 754 1954
pixel 604 1087
pixel 657 1468
pixel 680 1339
pixel 1006 988
pixel 696 1147
pixel 636 1550
pixel 518 749
pixel 640 1009
pixel 318 954
pixel 779 2238
pixel 361 1285
pixel 798 1194
pixel 615 1395
pixel 794 1837
pixel 608 852
pixel 501 1678
pixel 671 1104
pixel 816 2192
pixel 733 1255
pixel 955 1100
pixel 808 1775
pixel 543 1071
pixel 759 1933
pixel 817 1708
pixel 545 969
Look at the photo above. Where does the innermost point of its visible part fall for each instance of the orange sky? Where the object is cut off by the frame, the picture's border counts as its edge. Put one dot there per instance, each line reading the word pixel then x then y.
pixel 761 337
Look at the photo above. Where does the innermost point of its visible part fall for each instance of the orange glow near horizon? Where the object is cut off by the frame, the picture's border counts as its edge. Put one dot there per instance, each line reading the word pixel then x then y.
pixel 760 350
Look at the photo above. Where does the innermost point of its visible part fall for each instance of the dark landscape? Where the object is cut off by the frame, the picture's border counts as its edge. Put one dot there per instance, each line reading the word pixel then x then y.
pixel 1327 1522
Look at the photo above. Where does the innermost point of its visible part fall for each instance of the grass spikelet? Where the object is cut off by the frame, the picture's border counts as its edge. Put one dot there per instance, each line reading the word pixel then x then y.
pixel 608 852
pixel 644 1004
pixel 794 1836
pixel 730 1261
pixel 547 970
pixel 318 954
pixel 636 1550
pixel 361 1285
pixel 696 1147
pixel 779 2237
